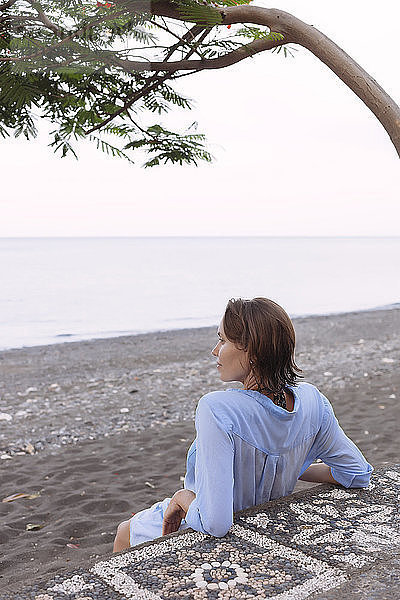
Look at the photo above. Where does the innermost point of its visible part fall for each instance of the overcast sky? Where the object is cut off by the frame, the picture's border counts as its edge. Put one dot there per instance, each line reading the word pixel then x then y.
pixel 296 152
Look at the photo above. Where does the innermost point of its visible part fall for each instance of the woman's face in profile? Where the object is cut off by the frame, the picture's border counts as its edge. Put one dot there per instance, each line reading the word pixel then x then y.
pixel 232 363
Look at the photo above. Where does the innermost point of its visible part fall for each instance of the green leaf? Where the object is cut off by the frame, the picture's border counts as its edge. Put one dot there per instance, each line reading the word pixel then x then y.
pixel 200 14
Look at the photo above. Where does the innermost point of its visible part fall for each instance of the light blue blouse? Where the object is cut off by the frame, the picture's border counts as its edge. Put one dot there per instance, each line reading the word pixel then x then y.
pixel 248 451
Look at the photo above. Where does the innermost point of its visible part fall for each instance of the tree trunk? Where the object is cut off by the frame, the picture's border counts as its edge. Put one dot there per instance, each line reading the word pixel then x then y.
pixel 359 81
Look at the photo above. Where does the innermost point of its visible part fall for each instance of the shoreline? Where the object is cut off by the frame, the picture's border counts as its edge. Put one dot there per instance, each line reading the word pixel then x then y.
pixel 109 423
pixel 105 336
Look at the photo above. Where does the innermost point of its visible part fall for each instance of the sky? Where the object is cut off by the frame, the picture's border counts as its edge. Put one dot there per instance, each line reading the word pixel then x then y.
pixel 296 152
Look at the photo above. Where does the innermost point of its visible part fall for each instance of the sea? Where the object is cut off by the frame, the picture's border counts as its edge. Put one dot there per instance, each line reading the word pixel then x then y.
pixel 68 289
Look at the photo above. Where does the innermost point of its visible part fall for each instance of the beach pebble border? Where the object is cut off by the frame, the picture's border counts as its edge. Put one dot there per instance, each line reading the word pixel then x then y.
pixel 288 549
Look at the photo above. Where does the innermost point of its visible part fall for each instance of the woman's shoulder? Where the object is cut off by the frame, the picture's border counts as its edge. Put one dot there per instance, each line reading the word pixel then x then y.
pixel 307 389
pixel 218 397
pixel 221 393
pixel 223 405
pixel 306 386
pixel 312 399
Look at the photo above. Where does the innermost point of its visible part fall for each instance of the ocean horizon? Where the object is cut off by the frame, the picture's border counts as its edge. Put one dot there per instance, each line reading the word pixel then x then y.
pixel 68 289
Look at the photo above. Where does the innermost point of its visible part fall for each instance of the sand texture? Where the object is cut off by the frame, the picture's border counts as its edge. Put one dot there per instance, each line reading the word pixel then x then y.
pixel 100 429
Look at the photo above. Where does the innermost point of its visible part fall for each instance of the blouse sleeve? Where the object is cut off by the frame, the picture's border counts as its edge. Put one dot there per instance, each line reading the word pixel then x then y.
pixel 212 510
pixel 190 467
pixel 335 449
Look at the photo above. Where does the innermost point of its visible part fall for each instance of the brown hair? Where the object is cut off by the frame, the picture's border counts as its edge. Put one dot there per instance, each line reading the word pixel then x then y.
pixel 265 330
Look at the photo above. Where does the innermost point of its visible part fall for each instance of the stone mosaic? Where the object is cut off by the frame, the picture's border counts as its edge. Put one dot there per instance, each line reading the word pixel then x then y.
pixel 289 549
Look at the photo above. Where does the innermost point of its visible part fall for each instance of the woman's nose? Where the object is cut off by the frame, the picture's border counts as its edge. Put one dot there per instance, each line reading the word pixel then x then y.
pixel 214 350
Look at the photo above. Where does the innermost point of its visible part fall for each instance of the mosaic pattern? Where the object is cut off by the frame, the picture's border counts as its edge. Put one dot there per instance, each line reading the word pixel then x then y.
pixel 291 548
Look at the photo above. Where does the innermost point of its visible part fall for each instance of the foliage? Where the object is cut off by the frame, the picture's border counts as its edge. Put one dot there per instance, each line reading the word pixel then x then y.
pixel 64 58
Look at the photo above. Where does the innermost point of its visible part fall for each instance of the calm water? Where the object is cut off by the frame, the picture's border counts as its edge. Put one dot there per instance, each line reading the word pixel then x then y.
pixel 67 289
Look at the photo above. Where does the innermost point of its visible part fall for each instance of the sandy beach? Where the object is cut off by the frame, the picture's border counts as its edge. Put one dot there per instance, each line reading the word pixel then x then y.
pixel 99 429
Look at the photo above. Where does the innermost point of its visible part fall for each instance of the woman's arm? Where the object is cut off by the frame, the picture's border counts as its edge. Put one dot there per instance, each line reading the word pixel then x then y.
pixel 211 511
pixel 348 466
pixel 318 473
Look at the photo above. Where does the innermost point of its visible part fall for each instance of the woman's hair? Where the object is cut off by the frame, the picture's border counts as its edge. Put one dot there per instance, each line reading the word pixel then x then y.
pixel 265 330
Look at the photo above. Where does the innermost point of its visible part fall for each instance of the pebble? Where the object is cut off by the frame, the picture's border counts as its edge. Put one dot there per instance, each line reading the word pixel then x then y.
pixel 5 417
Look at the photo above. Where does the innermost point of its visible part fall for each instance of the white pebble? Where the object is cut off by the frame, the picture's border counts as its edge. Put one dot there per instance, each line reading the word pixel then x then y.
pixel 215 563
pixel 328 373
pixel 124 410
pixel 21 413
pixel 222 585
pixel 5 417
pixel 6 456
pixel 387 360
pixel 212 586
pixel 206 566
pixel 232 583
pixel 235 566
pixel 241 579
pixel 226 563
pixel 392 396
pixel 201 584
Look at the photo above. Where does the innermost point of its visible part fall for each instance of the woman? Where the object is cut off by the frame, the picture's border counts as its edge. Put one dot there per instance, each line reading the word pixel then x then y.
pixel 252 444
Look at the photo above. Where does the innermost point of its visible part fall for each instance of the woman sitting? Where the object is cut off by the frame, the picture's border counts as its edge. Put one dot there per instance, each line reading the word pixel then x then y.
pixel 252 443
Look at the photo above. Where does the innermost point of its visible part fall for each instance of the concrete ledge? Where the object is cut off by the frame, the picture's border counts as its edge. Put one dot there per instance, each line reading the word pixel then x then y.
pixel 319 543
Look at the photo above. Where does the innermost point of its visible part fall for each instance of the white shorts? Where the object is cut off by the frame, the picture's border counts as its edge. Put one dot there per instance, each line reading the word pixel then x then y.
pixel 146 525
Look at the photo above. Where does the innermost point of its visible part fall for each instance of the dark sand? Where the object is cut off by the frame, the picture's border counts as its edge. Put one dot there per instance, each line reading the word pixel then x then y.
pixel 94 464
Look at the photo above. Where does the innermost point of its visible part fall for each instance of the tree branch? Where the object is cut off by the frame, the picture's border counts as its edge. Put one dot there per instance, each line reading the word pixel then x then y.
pixel 6 5
pixel 172 34
pixel 44 18
pixel 156 80
pixel 296 31
pixel 208 63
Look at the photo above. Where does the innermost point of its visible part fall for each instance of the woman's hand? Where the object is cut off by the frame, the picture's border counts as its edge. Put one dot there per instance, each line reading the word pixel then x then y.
pixel 176 510
pixel 172 517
